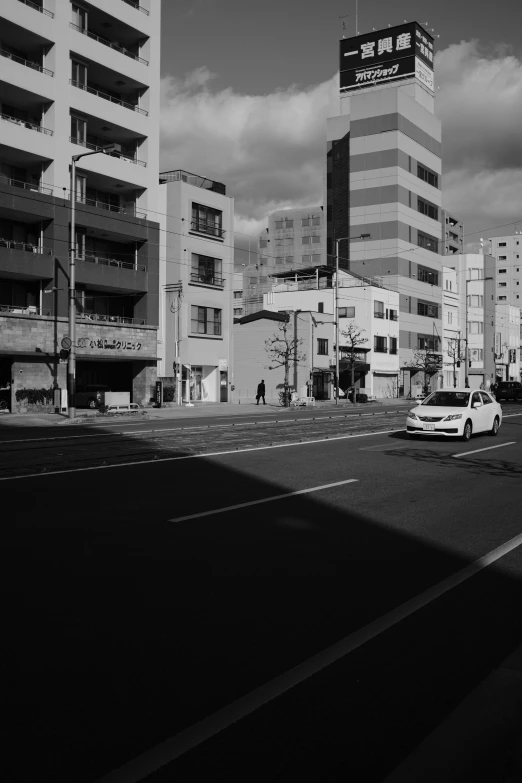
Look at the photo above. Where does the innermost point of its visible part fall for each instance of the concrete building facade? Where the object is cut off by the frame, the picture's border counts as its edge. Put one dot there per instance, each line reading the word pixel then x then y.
pixel 196 283
pixel 507 252
pixel 74 78
pixel 295 238
pixel 452 234
pixel 383 179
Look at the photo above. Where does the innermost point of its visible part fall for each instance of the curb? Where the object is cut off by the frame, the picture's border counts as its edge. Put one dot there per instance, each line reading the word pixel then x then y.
pixel 481 740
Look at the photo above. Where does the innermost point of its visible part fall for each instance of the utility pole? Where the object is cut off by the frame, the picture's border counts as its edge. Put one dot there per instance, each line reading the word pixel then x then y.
pixel 175 307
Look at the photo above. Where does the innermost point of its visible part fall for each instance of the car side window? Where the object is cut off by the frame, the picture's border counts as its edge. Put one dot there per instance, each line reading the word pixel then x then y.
pixel 486 399
pixel 475 398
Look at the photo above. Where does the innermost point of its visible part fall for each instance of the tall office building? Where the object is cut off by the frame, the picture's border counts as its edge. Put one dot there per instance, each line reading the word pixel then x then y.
pixel 75 77
pixel 383 178
pixel 294 239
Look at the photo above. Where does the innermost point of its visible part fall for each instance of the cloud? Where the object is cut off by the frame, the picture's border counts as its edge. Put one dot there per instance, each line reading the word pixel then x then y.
pixel 269 149
pixel 479 102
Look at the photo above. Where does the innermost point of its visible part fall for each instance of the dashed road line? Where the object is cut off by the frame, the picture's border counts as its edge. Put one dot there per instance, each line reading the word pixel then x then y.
pixel 488 448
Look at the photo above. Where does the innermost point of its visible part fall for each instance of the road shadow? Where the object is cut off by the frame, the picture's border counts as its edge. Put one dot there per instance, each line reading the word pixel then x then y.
pixel 124 627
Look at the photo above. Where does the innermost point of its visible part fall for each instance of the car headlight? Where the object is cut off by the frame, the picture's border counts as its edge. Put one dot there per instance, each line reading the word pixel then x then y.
pixel 453 417
pixel 411 415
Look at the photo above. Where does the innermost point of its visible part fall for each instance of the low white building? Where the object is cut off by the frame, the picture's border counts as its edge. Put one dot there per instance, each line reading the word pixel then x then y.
pixel 453 341
pixel 371 308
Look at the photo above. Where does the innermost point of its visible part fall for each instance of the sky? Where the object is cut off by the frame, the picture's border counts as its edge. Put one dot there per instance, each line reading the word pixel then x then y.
pixel 247 88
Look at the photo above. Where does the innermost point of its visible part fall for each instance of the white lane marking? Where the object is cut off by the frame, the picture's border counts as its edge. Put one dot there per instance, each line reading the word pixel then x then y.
pixel 176 746
pixel 195 456
pixel 385 447
pixel 488 448
pixel 262 500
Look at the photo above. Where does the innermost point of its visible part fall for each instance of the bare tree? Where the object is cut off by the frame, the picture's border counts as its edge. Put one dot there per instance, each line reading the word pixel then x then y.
pixel 282 350
pixel 427 362
pixel 456 354
pixel 354 339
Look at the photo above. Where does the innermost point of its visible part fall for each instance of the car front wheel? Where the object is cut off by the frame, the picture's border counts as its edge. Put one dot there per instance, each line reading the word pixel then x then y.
pixel 494 429
pixel 468 429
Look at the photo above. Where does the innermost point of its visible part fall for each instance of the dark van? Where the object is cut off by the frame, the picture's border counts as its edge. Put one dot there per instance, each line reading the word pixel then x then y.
pixel 508 390
pixel 91 396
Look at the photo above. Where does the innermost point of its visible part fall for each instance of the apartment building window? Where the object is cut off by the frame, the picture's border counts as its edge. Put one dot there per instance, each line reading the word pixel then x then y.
pixel 428 343
pixel 79 73
pixel 78 130
pixel 393 345
pixel 427 275
pixel 427 242
pixel 207 220
pixel 502 271
pixel 238 312
pixel 475 327
pixel 347 312
pixel 320 307
pixel 238 294
pixel 79 17
pixel 305 222
pixel 427 208
pixel 394 315
pixel 428 176
pixel 476 354
pixel 502 298
pixel 378 309
pixel 205 269
pixel 428 309
pixel 502 285
pixel 475 300
pixel 286 223
pixel 311 240
pixel 322 347
pixel 205 320
pixel 380 345
pixel 502 258
pixel 503 244
pixel 263 243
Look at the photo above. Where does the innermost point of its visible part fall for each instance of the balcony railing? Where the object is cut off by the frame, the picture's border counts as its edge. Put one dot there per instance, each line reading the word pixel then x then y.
pixel 378 314
pixel 110 319
pixel 28 63
pixel 26 124
pixel 137 6
pixel 207 278
pixel 10 244
pixel 207 228
pixel 105 42
pixel 38 8
pixel 18 310
pixel 96 148
pixel 380 349
pixel 106 97
pixel 91 202
pixel 107 260
pixel 17 183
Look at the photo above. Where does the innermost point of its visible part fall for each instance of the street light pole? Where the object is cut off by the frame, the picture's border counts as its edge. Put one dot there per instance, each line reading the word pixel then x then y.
pixel 337 351
pixel 71 363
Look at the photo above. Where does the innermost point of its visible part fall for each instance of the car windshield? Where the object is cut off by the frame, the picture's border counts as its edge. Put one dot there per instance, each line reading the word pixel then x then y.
pixel 448 399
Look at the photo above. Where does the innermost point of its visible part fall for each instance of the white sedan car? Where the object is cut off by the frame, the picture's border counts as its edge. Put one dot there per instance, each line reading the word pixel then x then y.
pixel 455 413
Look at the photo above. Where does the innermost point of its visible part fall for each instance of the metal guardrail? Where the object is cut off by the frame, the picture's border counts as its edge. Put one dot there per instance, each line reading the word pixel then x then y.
pixel 29 310
pixel 106 97
pixel 137 6
pixel 207 279
pixel 108 43
pixel 28 63
pixel 27 246
pixel 97 148
pixel 26 124
pixel 38 8
pixel 207 228
pixel 111 319
pixel 111 208
pixel 107 260
pixel 18 183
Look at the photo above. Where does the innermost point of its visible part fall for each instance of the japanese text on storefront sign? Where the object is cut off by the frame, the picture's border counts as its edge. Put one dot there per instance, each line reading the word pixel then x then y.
pixel 391 71
pixel 113 345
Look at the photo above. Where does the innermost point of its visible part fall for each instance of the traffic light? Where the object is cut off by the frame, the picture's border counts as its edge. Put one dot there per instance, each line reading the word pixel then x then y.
pixel 64 355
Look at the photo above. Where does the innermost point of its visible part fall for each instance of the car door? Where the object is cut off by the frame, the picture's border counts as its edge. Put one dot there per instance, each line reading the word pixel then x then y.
pixel 489 410
pixel 478 415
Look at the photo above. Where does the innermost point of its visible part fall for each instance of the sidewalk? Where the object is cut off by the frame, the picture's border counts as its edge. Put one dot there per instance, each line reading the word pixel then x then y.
pixel 480 741
pixel 199 410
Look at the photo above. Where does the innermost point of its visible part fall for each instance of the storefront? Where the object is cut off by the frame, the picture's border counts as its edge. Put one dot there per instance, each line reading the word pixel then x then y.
pixel 204 383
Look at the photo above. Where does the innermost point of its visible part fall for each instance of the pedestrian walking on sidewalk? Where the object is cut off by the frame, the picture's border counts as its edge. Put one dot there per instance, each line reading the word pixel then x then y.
pixel 261 392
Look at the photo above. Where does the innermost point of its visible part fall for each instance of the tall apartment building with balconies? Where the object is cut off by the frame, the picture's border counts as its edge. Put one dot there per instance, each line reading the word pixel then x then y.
pixel 452 234
pixel 508 254
pixel 74 78
pixel 294 239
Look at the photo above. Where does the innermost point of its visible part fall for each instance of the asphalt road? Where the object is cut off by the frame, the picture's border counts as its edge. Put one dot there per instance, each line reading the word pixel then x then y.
pixel 137 609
